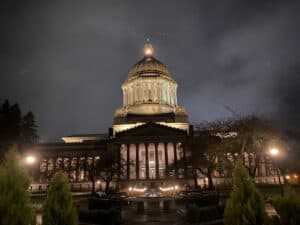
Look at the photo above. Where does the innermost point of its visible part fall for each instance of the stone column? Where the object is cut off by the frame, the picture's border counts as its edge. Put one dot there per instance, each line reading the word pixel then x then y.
pixel 47 175
pixel 176 96
pixel 166 159
pixel 128 162
pixel 147 161
pixel 77 169
pixel 119 160
pixel 156 161
pixel 175 159
pixel 137 164
pixel 85 168
pixel 184 147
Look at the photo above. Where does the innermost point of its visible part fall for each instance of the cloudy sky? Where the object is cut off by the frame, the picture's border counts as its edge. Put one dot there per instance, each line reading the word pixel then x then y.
pixel 66 59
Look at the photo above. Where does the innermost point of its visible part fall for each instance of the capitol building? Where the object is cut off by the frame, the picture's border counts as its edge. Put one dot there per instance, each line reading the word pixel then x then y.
pixel 150 133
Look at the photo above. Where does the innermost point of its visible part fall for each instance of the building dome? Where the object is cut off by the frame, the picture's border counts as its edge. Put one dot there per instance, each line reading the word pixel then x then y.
pixel 148 66
pixel 149 94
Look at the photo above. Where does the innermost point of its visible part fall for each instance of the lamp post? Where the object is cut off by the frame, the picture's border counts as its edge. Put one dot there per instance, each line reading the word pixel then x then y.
pixel 274 152
pixel 30 160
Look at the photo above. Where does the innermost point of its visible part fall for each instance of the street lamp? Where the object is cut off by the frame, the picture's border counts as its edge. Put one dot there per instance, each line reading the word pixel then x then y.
pixel 30 160
pixel 274 152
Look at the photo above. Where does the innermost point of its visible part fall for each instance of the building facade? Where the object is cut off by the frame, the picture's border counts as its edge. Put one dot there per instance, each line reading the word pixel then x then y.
pixel 150 133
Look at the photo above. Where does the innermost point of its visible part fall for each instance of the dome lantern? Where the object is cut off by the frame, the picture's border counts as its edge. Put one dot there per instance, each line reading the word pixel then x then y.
pixel 148 49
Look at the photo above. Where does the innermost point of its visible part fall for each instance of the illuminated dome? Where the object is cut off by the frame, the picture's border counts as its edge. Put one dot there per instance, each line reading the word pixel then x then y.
pixel 149 93
pixel 148 66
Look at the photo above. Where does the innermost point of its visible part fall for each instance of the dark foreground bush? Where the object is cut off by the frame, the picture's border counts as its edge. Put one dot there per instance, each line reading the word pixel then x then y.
pixel 274 220
pixel 198 215
pixel 102 217
pixel 288 208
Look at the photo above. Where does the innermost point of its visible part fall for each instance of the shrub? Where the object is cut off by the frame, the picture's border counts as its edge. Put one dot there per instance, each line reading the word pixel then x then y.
pixel 288 208
pixel 58 207
pixel 15 205
pixel 245 205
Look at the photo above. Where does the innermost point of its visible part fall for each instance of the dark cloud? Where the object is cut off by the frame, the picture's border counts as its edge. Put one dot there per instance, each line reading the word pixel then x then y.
pixel 66 60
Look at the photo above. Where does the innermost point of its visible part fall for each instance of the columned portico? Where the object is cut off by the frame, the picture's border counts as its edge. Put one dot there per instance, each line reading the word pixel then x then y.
pixel 151 160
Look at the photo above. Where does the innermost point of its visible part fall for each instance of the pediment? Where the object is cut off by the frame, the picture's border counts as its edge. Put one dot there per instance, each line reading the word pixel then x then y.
pixel 151 129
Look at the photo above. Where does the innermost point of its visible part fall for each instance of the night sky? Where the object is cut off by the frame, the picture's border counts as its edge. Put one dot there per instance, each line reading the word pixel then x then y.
pixel 66 60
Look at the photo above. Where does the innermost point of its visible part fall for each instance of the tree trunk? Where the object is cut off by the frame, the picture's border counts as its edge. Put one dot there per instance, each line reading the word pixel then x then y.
pixel 253 172
pixel 107 186
pixel 195 178
pixel 210 181
pixel 93 185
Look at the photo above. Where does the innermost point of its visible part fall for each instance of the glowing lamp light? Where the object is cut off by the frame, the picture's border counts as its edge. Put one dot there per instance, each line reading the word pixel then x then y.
pixel 130 189
pixel 287 177
pixel 30 159
pixel 274 151
pixel 148 50
pixel 295 176
pixel 98 182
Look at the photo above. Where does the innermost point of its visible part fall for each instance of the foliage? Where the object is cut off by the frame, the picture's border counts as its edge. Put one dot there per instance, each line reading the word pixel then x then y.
pixel 255 135
pixel 15 128
pixel 108 168
pixel 245 205
pixel 58 207
pixel 288 208
pixel 208 151
pixel 15 206
pixel 29 132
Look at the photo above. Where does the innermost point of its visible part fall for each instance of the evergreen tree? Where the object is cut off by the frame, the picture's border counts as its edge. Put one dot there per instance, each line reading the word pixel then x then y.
pixel 4 124
pixel 16 129
pixel 288 208
pixel 29 132
pixel 246 205
pixel 58 207
pixel 15 206
pixel 15 121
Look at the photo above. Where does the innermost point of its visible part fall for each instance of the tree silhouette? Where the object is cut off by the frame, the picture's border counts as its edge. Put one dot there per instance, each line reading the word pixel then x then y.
pixel 245 205
pixel 16 129
pixel 15 206
pixel 58 207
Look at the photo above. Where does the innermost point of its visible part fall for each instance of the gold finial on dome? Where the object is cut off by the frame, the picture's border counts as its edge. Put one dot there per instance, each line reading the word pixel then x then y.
pixel 148 48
